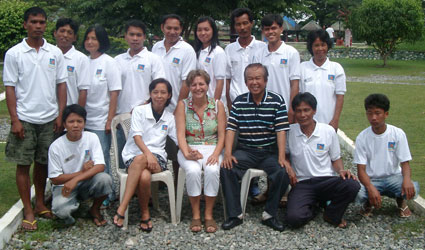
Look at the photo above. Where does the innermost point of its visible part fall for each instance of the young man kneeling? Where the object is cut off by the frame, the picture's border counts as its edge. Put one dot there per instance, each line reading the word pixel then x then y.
pixel 320 176
pixel 76 166
pixel 382 157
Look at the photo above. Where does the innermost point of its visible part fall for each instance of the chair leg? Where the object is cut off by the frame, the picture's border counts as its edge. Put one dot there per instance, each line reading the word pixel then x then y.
pixel 180 188
pixel 172 198
pixel 154 195
pixel 246 180
pixel 123 181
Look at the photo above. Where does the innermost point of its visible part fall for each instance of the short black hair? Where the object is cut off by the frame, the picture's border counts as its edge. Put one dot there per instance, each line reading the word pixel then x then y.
pixel 322 35
pixel 67 21
pixel 377 101
pixel 135 23
pixel 76 109
pixel 269 19
pixel 239 12
pixel 306 97
pixel 157 81
pixel 214 40
pixel 172 16
pixel 257 65
pixel 34 11
pixel 101 35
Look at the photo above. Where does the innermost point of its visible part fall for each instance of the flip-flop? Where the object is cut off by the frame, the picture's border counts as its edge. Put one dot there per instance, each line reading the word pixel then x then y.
pixel 195 223
pixel 45 215
pixel 402 212
pixel 148 229
pixel 100 220
pixel 32 224
pixel 210 224
pixel 120 217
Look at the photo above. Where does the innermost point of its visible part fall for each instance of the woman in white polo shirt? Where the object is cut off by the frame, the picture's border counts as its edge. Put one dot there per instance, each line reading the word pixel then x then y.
pixel 102 96
pixel 144 152
pixel 324 79
pixel 210 56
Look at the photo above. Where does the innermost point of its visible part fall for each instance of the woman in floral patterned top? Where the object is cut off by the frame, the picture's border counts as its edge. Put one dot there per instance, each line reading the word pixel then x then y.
pixel 201 123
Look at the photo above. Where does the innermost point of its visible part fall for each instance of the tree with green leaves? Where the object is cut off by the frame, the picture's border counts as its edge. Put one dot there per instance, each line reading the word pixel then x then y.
pixel 11 23
pixel 386 23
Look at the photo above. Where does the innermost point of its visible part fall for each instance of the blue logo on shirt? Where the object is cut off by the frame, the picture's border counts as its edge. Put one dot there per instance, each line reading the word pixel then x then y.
pixel 70 68
pixel 98 72
pixel 391 146
pixel 331 77
pixel 283 61
pixel 52 62
pixel 208 59
pixel 164 127
pixel 320 146
pixel 176 60
pixel 140 67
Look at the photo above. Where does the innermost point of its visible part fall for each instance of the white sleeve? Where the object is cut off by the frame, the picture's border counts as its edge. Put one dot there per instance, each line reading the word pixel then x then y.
pixel 189 63
pixel 54 163
pixel 137 119
pixel 83 73
pixel 220 66
pixel 157 67
pixel 294 65
pixel 61 71
pixel 10 70
pixel 334 150
pixel 172 132
pixel 340 85
pixel 97 153
pixel 113 75
pixel 402 150
pixel 360 154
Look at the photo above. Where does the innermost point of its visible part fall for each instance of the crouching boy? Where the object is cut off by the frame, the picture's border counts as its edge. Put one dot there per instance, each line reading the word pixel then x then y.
pixel 380 150
pixel 76 166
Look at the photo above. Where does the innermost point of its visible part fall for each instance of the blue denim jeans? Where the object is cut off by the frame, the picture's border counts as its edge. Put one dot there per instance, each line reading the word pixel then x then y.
pixel 121 143
pixel 388 186
pixel 105 142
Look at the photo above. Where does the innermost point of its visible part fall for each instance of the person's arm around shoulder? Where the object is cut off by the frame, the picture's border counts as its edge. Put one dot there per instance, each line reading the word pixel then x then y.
pixel 407 187
pixel 221 130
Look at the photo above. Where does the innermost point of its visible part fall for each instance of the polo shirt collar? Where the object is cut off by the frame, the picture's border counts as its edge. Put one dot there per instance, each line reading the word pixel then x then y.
pixel 249 96
pixel 299 132
pixel 28 48
pixel 280 50
pixel 70 53
pixel 149 113
pixel 128 56
pixel 250 45
pixel 325 66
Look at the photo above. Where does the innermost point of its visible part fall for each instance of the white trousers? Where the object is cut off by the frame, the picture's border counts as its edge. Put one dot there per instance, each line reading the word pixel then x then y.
pixel 194 169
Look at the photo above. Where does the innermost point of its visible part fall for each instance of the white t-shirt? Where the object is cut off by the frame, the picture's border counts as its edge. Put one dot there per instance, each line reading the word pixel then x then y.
pixel 154 134
pixel 67 157
pixel 105 76
pixel 77 66
pixel 178 62
pixel 215 64
pixel 313 157
pixel 382 153
pixel 283 66
pixel 34 76
pixel 137 73
pixel 324 83
pixel 330 31
pixel 238 58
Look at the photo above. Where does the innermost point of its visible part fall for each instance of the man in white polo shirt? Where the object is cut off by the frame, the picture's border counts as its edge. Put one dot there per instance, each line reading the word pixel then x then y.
pixel 239 52
pixel 77 64
pixel 35 78
pixel 320 176
pixel 139 67
pixel 178 59
pixel 281 60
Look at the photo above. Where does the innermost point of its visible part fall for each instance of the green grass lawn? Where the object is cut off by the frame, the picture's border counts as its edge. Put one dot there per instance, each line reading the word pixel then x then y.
pixel 8 191
pixel 407 109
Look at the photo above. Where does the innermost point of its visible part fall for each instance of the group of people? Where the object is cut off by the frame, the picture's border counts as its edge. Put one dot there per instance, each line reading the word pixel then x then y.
pixel 212 112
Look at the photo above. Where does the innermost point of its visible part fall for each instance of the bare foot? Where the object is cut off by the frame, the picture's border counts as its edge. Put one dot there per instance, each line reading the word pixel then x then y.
pixel 97 217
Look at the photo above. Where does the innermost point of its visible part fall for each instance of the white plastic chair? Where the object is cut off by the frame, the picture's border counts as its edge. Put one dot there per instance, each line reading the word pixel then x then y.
pixel 166 176
pixel 180 188
pixel 246 180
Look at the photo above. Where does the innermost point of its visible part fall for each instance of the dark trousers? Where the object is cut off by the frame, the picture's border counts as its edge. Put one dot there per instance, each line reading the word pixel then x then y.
pixel 303 198
pixel 253 158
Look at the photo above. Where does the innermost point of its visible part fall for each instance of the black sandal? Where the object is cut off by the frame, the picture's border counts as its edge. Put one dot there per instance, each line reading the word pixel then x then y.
pixel 120 217
pixel 148 229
